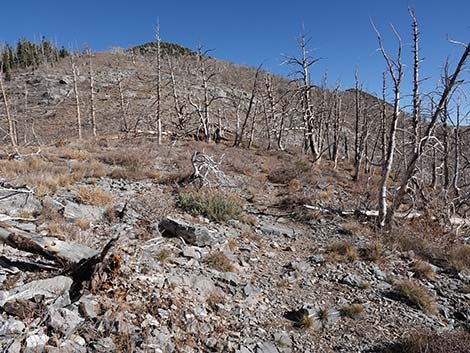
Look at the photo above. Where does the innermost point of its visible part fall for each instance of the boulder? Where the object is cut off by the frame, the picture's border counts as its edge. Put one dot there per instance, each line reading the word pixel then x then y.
pixel 192 234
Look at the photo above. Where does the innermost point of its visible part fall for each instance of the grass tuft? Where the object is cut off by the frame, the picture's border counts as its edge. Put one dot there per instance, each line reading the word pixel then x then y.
pixel 353 311
pixel 220 262
pixel 423 270
pixel 216 206
pixel 342 251
pixel 94 197
pixel 415 295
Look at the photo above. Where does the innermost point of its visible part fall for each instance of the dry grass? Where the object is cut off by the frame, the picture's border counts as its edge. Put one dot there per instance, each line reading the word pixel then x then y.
pixel 63 230
pixel 415 295
pixel 356 228
pixel 219 261
pixel 459 258
pixel 43 176
pixel 214 300
pixel 341 251
pixel 83 224
pixel 304 322
pixel 423 270
pixel 89 169
pixel 457 341
pixel 94 197
pixel 130 163
pixel 374 252
pixel 164 255
pixel 75 154
pixel 353 311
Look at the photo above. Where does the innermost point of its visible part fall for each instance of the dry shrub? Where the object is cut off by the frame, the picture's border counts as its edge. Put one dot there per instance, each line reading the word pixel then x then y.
pixel 219 261
pixel 415 295
pixel 130 164
pixel 215 205
pixel 89 169
pixel 458 258
pixel 373 251
pixel 164 255
pixel 78 155
pixel 455 341
pixel 355 228
pixel 45 177
pixel 83 224
pixel 353 311
pixel 94 197
pixel 341 251
pixel 294 185
pixel 282 175
pixel 214 300
pixel 249 219
pixel 423 270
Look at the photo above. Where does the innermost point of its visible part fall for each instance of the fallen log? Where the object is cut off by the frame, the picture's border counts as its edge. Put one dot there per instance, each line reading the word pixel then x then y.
pixel 454 221
pixel 61 252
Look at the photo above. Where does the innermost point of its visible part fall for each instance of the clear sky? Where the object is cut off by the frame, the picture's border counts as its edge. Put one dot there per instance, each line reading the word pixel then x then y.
pixel 254 32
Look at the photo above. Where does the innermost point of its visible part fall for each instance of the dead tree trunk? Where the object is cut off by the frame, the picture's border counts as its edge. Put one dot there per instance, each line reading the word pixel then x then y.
pixel 159 83
pixel 11 123
pixel 92 93
pixel 77 96
pixel 395 69
pixel 451 83
pixel 251 102
pixel 302 69
pixel 357 147
pixel 416 97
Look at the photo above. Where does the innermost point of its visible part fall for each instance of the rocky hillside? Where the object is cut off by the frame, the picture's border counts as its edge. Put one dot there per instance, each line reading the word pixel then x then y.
pixel 115 245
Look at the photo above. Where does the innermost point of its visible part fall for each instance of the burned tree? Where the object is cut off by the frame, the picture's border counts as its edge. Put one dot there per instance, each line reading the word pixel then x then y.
pixel 395 70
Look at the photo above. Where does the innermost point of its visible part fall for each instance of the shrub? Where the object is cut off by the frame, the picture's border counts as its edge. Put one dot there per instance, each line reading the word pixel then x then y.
pixel 342 251
pixel 216 206
pixel 373 252
pixel 282 175
pixel 94 197
pixel 457 341
pixel 459 258
pixel 219 261
pixel 353 311
pixel 423 270
pixel 415 295
pixel 304 321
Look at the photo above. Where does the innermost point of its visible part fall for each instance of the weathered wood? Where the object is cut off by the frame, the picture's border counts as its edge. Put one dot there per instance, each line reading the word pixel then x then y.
pixel 64 253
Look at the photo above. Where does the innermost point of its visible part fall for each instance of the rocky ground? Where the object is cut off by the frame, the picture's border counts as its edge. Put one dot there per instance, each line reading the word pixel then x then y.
pixel 276 278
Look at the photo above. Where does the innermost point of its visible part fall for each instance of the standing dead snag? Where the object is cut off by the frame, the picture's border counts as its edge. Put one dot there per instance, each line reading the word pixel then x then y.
pixel 240 131
pixel 92 93
pixel 415 157
pixel 303 65
pixel 395 69
pixel 75 74
pixel 11 124
pixel 206 73
pixel 158 109
pixel 416 97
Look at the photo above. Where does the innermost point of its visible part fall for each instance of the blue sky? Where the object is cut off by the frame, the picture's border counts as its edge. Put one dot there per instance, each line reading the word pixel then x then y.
pixel 254 32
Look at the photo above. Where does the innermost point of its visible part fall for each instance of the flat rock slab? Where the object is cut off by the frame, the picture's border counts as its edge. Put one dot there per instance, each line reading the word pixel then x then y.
pixel 55 290
pixel 17 203
pixel 76 211
pixel 277 229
